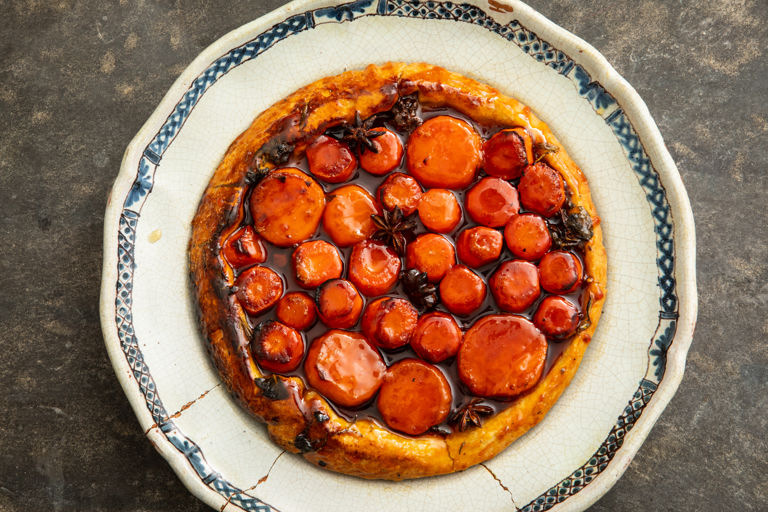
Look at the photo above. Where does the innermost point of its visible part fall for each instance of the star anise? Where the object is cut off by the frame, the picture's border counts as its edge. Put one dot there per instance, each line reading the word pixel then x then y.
pixel 404 115
pixel 392 228
pixel 571 227
pixel 359 135
pixel 419 289
pixel 469 415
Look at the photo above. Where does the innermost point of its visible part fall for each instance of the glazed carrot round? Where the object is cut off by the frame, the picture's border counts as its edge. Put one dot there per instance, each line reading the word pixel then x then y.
pixel 462 291
pixel 414 397
pixel 339 304
pixel 507 153
pixel 444 152
pixel 388 157
pixel 560 272
pixel 527 236
pixel 330 160
pixel 541 189
pixel 277 347
pixel 491 202
pixel 344 367
pixel 297 310
pixel 437 337
pixel 556 317
pixel 373 267
pixel 347 217
pixel 243 248
pixel 515 285
pixel 258 289
pixel 401 190
pixel 316 262
pixel 439 210
pixel 389 322
pixel 286 207
pixel 431 253
pixel 502 356
pixel 479 246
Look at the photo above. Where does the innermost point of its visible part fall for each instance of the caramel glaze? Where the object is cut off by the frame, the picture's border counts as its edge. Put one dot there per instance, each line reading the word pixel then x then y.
pixel 279 259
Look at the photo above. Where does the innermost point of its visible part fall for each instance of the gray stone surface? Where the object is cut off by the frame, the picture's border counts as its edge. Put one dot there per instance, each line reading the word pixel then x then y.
pixel 77 81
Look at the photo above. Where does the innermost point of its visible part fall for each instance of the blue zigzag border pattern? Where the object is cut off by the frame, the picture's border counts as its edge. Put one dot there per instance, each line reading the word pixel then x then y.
pixel 602 102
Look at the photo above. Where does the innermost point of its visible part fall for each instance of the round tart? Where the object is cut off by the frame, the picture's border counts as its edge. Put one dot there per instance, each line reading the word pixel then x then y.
pixel 398 270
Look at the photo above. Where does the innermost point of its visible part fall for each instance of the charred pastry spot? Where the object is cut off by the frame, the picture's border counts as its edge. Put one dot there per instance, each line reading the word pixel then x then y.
pixel 572 227
pixel 272 387
pixel 321 417
pixel 304 444
pixel 322 463
pixel 440 429
pixel 276 151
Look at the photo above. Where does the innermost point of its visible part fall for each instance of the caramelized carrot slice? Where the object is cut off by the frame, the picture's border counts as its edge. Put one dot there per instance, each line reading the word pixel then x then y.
pixel 330 160
pixel 557 317
pixel 437 337
pixel 400 190
pixel 277 347
pixel 316 262
pixel 444 152
pixel 527 236
pixel 297 310
pixel 344 367
pixel 389 322
pixel 347 218
pixel 462 291
pixel 339 304
pixel 439 210
pixel 432 254
pixel 388 157
pixel 286 207
pixel 541 189
pixel 502 356
pixel 414 397
pixel 244 248
pixel 491 202
pixel 507 153
pixel 373 267
pixel 479 246
pixel 515 285
pixel 258 289
pixel 560 272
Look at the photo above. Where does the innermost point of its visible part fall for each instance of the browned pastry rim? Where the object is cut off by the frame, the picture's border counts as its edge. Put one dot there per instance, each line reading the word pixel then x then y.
pixel 298 419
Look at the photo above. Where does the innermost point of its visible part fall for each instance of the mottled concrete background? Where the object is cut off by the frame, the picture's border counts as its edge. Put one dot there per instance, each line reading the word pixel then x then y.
pixel 77 81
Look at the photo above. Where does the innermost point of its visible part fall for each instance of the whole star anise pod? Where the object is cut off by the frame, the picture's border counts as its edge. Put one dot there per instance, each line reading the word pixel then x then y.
pixel 359 135
pixel 404 115
pixel 419 289
pixel 469 415
pixel 392 228
pixel 572 227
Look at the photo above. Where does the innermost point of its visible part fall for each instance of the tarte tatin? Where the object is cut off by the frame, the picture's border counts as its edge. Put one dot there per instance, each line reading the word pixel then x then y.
pixel 398 270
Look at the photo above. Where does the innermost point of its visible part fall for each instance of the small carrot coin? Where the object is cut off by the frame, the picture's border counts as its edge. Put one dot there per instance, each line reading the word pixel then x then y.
pixel 437 337
pixel 330 160
pixel 277 347
pixel 527 236
pixel 347 217
pixel 401 190
pixel 414 397
pixel 444 152
pixel 297 310
pixel 432 254
pixel 286 207
pixel 439 210
pixel 556 317
pixel 339 304
pixel 491 202
pixel 541 189
pixel 479 246
pixel 502 356
pixel 258 289
pixel 462 291
pixel 507 153
pixel 388 157
pixel 316 262
pixel 243 248
pixel 560 272
pixel 515 285
pixel 373 267
pixel 344 367
pixel 389 322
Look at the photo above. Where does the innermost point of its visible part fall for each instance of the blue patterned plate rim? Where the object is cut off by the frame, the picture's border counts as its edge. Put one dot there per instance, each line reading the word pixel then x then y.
pixel 596 81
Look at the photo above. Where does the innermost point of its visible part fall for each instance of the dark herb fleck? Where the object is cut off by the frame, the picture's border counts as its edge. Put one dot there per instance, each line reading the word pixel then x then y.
pixel 469 415
pixel 360 135
pixel 272 387
pixel 404 115
pixel 419 289
pixel 570 228
pixel 392 228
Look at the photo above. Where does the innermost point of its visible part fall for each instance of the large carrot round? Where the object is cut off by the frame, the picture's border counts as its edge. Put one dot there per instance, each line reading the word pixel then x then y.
pixel 560 272
pixel 316 262
pixel 330 160
pixel 297 310
pixel 439 210
pixel 515 285
pixel 527 236
pixel 437 337
pixel 507 153
pixel 479 246
pixel 373 267
pixel 400 190
pixel 462 291
pixel 347 218
pixel 339 304
pixel 432 254
pixel 277 347
pixel 491 202
pixel 541 189
pixel 389 322
pixel 258 289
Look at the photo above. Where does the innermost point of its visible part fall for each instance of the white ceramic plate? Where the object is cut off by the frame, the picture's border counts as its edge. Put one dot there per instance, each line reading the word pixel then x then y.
pixel 630 371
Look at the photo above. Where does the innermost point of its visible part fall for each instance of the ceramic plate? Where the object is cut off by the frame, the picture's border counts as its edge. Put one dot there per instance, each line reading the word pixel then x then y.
pixel 630 371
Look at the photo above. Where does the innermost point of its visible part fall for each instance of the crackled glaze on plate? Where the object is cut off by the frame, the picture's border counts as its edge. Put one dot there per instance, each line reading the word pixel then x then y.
pixel 633 364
